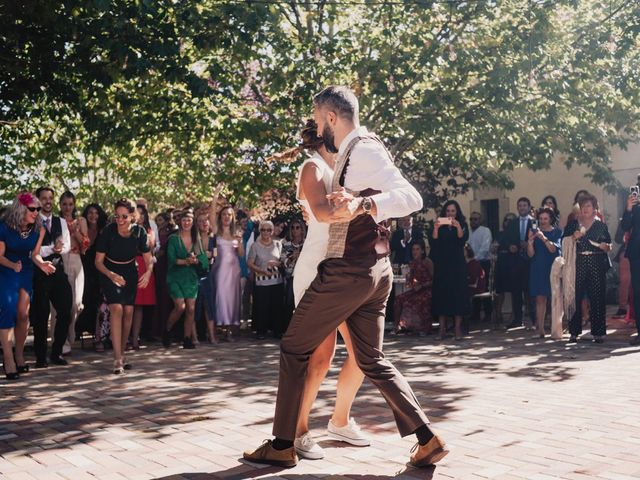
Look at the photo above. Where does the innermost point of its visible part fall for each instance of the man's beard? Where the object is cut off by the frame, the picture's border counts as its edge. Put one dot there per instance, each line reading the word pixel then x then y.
pixel 329 140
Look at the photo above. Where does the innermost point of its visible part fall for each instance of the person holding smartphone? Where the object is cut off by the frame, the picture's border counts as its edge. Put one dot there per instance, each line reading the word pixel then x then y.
pixel 450 292
pixel 631 224
pixel 543 246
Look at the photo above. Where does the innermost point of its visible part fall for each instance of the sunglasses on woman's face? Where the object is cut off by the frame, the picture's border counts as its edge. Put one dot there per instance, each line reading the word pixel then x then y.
pixel 296 227
pixel 34 209
pixel 123 217
pixel 266 230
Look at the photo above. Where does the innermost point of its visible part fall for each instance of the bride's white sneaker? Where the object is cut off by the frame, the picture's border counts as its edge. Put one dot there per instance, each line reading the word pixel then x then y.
pixel 350 433
pixel 306 447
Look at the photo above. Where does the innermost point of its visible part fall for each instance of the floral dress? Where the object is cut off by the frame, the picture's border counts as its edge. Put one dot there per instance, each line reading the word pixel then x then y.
pixel 413 307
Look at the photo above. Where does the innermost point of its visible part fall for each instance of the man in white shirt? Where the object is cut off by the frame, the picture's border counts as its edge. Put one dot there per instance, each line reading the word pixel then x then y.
pixel 480 242
pixel 353 282
pixel 54 288
pixel 480 239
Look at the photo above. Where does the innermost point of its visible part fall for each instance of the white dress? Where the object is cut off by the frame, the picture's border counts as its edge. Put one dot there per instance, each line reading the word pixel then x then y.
pixel 315 245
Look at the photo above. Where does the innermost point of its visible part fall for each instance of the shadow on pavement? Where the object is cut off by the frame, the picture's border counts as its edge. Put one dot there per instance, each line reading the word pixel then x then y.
pixel 240 472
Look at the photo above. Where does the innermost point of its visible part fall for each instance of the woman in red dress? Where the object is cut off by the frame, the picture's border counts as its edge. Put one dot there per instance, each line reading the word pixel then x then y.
pixel 413 307
pixel 145 296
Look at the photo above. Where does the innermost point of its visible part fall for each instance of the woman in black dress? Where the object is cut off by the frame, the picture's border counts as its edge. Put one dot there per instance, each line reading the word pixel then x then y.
pixel 593 242
pixel 450 293
pixel 116 251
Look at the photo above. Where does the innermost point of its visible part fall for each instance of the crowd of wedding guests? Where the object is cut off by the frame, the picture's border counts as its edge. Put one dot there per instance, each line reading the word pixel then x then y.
pixel 538 256
pixel 200 272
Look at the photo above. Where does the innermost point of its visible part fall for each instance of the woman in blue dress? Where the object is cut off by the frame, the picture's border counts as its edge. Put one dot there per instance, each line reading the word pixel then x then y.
pixel 21 235
pixel 543 247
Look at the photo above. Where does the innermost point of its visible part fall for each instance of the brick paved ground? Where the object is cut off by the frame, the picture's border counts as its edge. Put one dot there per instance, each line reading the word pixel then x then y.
pixel 512 407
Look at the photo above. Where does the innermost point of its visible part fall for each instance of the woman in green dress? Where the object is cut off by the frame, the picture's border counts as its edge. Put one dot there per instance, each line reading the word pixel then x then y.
pixel 184 256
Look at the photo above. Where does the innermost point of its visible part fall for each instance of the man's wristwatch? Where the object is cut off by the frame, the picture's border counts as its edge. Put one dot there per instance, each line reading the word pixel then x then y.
pixel 367 205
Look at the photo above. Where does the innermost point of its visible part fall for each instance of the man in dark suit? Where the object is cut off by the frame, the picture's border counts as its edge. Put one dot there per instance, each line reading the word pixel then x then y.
pixel 51 289
pixel 517 234
pixel 631 223
pixel 401 240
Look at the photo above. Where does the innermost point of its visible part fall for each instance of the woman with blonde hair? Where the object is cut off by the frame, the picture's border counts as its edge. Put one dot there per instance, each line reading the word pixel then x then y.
pixel 226 273
pixel 21 234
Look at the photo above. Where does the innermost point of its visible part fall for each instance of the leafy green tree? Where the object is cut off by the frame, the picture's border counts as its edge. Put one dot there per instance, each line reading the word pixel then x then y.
pixel 164 99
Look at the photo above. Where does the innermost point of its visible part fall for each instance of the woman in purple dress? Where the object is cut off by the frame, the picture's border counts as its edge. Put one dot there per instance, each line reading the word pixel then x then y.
pixel 21 235
pixel 226 272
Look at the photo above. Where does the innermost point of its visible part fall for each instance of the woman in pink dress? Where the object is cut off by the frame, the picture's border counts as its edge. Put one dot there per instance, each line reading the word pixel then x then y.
pixel 226 272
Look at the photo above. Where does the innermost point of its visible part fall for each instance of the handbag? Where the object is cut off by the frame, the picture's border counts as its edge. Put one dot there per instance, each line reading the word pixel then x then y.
pixel 202 267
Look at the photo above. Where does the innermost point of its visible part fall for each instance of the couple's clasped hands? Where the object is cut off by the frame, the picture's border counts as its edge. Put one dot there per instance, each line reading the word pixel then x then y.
pixel 344 207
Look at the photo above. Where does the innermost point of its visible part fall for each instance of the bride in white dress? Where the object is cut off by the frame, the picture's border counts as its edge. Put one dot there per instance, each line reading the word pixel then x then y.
pixel 313 184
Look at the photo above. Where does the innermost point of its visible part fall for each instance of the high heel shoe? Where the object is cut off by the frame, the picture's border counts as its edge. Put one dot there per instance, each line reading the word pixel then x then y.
pixel 10 375
pixel 125 364
pixel 118 369
pixel 22 368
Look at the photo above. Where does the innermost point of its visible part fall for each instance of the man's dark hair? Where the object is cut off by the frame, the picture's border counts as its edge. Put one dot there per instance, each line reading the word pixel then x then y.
pixel 338 99
pixel 124 203
pixel 524 199
pixel 45 189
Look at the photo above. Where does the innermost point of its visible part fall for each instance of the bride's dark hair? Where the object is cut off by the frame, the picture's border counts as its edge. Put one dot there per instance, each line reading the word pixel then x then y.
pixel 309 141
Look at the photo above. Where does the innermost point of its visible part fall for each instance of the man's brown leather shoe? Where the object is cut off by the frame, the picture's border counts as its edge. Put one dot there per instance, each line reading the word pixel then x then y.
pixel 265 453
pixel 434 451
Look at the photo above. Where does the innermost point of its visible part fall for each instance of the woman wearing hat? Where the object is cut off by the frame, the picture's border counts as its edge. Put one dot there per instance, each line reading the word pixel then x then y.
pixel 184 256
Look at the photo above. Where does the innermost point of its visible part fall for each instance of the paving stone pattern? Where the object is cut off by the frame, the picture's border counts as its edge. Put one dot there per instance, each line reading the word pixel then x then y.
pixel 511 406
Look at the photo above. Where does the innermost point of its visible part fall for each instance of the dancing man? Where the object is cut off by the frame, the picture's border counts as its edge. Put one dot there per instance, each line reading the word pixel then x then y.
pixel 353 282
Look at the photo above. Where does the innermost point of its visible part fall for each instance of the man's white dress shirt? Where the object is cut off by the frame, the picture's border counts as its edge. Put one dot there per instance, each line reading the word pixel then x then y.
pixel 480 242
pixel 370 167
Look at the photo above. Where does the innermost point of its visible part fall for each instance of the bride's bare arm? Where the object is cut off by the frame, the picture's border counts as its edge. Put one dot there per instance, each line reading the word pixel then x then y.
pixel 313 190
